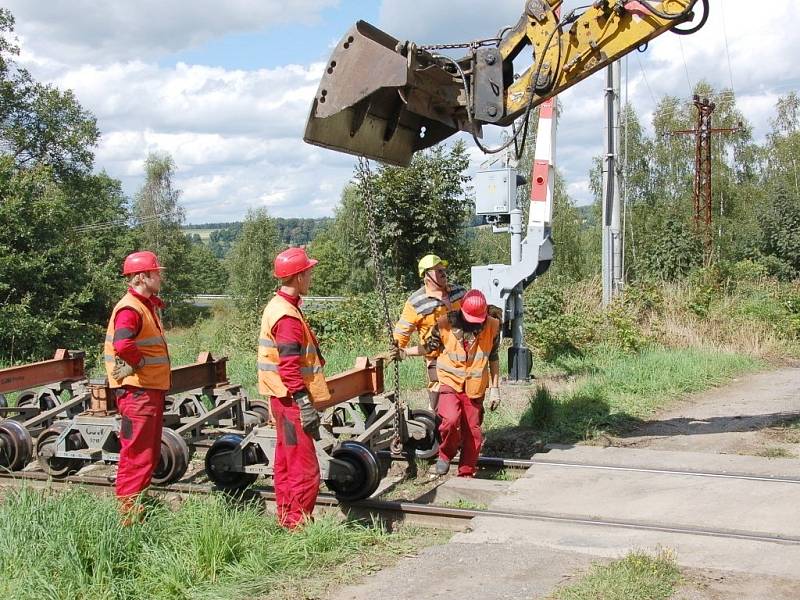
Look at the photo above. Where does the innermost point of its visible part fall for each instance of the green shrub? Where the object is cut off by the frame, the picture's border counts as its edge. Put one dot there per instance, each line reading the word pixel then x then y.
pixel 541 410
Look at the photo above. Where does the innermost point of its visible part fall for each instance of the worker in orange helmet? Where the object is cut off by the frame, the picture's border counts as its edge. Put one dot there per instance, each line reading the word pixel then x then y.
pixel 137 365
pixel 290 373
pixel 467 342
pixel 435 298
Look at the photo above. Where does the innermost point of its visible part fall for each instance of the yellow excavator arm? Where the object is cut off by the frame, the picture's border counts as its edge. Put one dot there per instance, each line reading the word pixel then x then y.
pixel 386 99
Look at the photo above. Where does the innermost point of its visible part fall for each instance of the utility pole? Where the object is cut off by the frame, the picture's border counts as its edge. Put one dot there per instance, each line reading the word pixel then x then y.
pixel 612 235
pixel 701 193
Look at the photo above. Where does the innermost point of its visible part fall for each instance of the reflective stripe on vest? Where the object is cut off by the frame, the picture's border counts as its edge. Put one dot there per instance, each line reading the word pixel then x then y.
pixel 311 368
pixel 425 311
pixel 155 372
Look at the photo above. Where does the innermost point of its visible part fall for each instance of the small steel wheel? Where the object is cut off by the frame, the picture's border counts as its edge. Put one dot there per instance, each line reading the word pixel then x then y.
pixel 219 466
pixel 174 460
pixel 48 399
pixel 428 447
pixel 57 467
pixel 261 408
pixel 27 398
pixel 16 445
pixel 361 474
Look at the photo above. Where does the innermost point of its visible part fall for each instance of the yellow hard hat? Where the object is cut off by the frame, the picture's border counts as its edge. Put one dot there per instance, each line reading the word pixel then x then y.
pixel 428 262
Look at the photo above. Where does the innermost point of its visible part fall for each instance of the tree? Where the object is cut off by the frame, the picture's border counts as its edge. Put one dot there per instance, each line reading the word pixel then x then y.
pixel 332 274
pixel 250 262
pixel 58 278
pixel 39 124
pixel 419 209
pixel 62 233
pixel 209 275
pixel 781 232
pixel 160 217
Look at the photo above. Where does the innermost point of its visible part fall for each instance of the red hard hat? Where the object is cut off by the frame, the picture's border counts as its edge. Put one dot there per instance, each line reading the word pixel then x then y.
pixel 473 307
pixel 140 262
pixel 292 261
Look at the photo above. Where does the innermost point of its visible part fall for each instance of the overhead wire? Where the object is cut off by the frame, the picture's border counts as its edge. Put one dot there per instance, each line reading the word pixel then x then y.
pixel 725 36
pixel 113 224
pixel 686 67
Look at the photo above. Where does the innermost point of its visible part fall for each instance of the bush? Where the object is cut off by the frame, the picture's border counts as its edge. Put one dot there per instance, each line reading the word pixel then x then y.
pixel 358 320
pixel 541 410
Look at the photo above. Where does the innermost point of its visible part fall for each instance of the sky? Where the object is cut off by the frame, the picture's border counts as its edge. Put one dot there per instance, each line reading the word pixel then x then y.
pixel 226 91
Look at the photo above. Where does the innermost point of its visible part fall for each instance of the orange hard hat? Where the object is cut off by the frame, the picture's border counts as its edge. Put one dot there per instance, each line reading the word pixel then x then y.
pixel 140 262
pixel 291 262
pixel 473 307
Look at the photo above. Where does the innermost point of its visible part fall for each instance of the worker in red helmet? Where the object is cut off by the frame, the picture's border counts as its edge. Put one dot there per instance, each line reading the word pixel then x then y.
pixel 467 341
pixel 290 373
pixel 138 368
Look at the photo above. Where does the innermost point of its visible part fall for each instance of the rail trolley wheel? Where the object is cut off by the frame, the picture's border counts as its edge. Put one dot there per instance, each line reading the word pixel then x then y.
pixel 27 398
pixel 16 445
pixel 174 458
pixel 217 465
pixel 57 467
pixel 363 473
pixel 428 447
pixel 261 408
pixel 48 399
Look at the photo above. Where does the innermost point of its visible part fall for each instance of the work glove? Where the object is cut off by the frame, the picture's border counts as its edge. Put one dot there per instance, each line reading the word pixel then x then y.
pixel 122 369
pixel 494 398
pixel 397 353
pixel 309 417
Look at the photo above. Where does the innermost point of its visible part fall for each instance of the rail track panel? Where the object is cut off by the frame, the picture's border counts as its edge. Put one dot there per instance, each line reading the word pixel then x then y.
pixel 733 513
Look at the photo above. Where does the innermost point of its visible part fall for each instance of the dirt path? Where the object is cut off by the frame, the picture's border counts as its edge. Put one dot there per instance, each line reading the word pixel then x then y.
pixel 756 415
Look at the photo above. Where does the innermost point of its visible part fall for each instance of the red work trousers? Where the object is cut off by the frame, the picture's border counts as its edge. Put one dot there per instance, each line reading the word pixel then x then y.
pixel 142 413
pixel 296 470
pixel 460 429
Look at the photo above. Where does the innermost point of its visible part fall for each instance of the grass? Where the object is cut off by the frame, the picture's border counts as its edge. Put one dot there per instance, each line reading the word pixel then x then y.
pixel 638 576
pixel 466 504
pixel 774 452
pixel 613 391
pixel 70 545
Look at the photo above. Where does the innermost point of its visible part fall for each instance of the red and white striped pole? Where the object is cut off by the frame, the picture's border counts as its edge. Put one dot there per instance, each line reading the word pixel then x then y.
pixel 543 177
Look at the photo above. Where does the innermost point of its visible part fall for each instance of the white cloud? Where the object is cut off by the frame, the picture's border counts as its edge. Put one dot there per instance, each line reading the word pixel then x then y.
pixel 236 135
pixel 91 32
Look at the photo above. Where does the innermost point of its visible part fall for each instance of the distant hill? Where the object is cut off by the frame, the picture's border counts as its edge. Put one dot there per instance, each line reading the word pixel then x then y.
pixel 221 236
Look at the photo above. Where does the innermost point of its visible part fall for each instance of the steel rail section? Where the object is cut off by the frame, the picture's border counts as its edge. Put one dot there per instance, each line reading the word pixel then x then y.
pixel 500 463
pixel 440 516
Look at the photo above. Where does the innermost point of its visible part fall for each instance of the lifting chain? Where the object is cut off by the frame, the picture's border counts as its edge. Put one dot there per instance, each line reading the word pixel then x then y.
pixel 365 187
pixel 473 44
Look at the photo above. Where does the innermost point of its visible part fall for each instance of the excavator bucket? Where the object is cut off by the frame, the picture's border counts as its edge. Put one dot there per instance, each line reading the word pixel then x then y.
pixel 376 101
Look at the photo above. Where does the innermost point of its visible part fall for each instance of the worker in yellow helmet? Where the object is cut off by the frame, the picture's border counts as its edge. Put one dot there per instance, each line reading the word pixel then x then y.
pixel 435 298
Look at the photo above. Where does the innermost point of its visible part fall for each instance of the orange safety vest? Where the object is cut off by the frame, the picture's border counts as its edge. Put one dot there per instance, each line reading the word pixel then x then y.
pixel 155 374
pixel 269 380
pixel 466 370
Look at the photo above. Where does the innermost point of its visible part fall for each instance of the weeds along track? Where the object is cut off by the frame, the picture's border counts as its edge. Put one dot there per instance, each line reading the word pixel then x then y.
pixel 425 515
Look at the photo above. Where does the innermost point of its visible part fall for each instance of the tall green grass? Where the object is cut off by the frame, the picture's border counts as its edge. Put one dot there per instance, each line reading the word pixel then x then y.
pixel 70 545
pixel 619 389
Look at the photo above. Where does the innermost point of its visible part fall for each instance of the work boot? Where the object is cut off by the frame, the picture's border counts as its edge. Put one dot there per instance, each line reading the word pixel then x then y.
pixel 442 467
pixel 131 510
